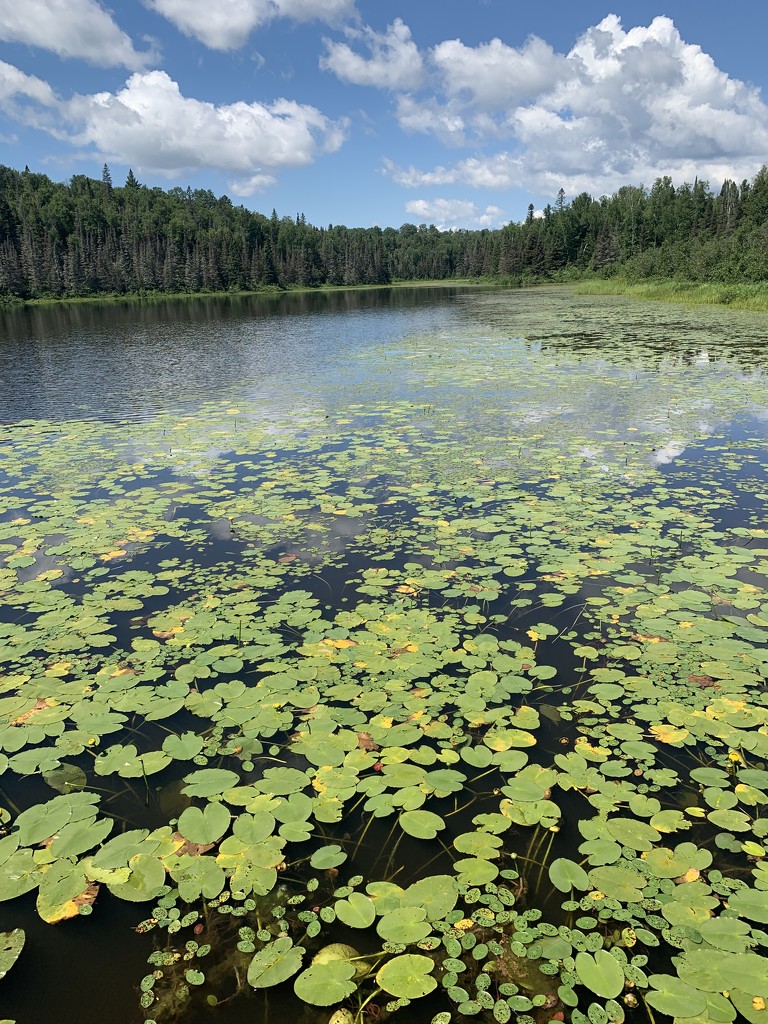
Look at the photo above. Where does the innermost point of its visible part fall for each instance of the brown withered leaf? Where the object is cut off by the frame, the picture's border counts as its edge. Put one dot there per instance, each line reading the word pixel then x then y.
pixel 40 705
pixel 366 742
pixel 703 682
pixel 191 849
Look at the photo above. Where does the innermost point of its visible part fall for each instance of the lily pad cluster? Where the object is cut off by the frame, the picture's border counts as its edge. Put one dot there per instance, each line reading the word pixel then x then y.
pixel 426 698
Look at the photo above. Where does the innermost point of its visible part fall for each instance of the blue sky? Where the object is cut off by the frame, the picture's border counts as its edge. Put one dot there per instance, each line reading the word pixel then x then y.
pixel 365 112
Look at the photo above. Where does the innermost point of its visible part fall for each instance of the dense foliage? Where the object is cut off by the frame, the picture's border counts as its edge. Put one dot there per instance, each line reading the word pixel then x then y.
pixel 89 236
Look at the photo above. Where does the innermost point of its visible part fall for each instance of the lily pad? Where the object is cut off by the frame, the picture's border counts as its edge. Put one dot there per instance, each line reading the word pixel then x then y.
pixel 408 976
pixel 11 945
pixel 671 996
pixel 275 963
pixel 324 984
pixel 566 875
pixel 206 825
pixel 601 973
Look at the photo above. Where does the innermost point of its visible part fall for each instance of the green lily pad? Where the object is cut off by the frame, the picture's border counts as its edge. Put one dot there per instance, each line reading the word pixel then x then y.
pixel 328 857
pixel 566 875
pixel 209 782
pixel 11 945
pixel 421 824
pixel 750 903
pixel 436 894
pixel 672 996
pixel 324 984
pixel 206 825
pixel 637 835
pixel 356 911
pixel 726 933
pixel 751 1008
pixel 408 976
pixel 618 883
pixel 275 963
pixel 406 924
pixel 145 882
pixel 601 973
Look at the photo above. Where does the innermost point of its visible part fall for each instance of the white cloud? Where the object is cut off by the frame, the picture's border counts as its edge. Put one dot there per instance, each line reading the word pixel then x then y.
pixel 501 171
pixel 395 61
pixel 256 183
pixel 442 120
pixel 16 84
pixel 227 24
pixel 151 126
pixel 621 106
pixel 70 28
pixel 454 213
pixel 493 75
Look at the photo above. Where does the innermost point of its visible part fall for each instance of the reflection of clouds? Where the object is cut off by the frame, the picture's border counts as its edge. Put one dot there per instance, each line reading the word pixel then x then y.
pixel 541 414
pixel 670 452
pixel 44 563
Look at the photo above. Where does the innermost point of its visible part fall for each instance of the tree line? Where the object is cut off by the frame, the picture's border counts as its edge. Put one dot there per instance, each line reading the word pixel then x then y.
pixel 89 237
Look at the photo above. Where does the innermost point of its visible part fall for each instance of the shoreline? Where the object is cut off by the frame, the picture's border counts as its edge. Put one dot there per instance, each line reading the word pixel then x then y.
pixel 751 297
pixel 8 303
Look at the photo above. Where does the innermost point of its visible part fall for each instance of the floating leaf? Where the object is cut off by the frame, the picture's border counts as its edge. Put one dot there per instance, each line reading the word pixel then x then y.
pixel 206 825
pixel 421 824
pixel 566 875
pixel 328 857
pixel 209 782
pixel 437 895
pixel 11 945
pixel 672 996
pixel 275 963
pixel 601 973
pixel 324 984
pixel 357 911
pixel 408 976
pixel 407 924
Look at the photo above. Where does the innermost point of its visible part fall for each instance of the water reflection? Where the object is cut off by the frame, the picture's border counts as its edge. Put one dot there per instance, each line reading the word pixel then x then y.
pixel 130 359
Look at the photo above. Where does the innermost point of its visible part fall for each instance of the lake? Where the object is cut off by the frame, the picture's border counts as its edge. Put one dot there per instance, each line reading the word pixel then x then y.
pixel 383 653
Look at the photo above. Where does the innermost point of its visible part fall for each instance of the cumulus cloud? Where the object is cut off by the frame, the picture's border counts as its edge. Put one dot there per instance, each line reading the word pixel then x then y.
pixel 227 24
pixel 444 121
pixel 15 85
pixel 493 75
pixel 454 213
pixel 151 125
pixel 70 28
pixel 394 61
pixel 501 171
pixel 621 106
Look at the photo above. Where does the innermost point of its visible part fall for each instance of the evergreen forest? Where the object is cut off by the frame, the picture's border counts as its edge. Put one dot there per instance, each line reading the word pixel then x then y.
pixel 90 237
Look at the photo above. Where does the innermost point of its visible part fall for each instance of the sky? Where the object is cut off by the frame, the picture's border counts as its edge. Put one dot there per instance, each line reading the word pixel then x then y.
pixel 361 112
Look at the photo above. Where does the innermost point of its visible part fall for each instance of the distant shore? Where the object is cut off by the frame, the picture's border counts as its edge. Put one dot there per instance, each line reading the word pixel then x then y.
pixel 13 302
pixel 752 297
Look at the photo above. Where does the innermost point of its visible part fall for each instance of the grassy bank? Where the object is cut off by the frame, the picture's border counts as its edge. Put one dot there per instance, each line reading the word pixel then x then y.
pixel 751 296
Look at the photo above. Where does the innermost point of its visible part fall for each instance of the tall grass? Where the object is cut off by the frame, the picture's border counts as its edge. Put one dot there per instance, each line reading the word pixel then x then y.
pixel 751 296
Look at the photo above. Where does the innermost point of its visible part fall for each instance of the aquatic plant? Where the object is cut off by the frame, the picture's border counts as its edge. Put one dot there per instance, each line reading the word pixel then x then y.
pixel 381 702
